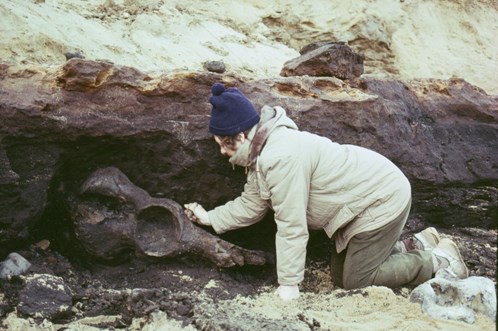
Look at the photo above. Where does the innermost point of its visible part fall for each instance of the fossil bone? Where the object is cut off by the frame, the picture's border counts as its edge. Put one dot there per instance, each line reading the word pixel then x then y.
pixel 116 216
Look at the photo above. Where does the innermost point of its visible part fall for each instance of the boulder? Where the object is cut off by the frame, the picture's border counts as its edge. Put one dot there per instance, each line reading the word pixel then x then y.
pixel 325 59
pixel 45 296
pixel 446 297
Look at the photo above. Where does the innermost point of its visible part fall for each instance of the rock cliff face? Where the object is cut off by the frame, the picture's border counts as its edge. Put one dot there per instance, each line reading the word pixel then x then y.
pixel 59 125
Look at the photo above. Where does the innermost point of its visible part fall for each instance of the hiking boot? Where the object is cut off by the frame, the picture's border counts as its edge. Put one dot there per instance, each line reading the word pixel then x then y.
pixel 426 240
pixel 449 258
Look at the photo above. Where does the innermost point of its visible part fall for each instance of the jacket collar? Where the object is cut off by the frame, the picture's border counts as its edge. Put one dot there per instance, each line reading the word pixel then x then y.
pixel 271 118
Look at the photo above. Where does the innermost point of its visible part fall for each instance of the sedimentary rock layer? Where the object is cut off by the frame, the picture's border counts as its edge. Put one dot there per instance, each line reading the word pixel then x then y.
pixel 59 125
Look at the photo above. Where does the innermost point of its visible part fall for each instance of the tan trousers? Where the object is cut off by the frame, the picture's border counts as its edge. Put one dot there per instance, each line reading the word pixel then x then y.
pixel 372 259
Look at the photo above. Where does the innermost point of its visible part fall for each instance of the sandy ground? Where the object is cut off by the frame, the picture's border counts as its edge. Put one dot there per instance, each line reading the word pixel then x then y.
pixel 226 299
pixel 372 308
pixel 406 39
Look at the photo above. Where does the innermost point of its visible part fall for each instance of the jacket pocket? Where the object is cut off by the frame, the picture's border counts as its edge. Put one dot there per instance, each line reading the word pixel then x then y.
pixel 344 216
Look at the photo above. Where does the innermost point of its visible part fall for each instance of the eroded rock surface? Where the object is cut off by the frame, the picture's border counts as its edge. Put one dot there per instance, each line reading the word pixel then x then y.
pixel 59 125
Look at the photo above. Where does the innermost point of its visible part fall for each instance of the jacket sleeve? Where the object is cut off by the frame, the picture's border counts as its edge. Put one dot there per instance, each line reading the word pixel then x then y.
pixel 245 210
pixel 289 184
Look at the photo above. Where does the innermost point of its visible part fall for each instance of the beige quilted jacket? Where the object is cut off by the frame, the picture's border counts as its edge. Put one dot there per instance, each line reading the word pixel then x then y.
pixel 310 182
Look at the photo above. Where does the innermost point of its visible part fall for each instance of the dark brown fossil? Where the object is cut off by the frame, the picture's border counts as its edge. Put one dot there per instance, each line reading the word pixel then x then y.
pixel 116 215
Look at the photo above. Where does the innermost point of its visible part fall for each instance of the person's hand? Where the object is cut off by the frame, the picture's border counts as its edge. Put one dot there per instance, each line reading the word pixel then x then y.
pixel 288 292
pixel 196 213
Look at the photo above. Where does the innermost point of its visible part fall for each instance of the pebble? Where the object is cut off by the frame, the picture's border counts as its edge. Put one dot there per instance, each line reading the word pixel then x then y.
pixel 214 66
pixel 14 265
pixel 43 244
pixel 75 54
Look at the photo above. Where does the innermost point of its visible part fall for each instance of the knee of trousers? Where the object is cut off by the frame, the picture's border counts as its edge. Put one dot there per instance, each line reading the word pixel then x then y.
pixel 351 283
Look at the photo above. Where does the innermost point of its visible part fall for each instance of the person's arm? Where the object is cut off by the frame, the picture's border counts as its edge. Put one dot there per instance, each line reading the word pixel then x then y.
pixel 289 184
pixel 243 211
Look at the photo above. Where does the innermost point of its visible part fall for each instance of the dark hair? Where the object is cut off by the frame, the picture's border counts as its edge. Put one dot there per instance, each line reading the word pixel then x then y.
pixel 231 140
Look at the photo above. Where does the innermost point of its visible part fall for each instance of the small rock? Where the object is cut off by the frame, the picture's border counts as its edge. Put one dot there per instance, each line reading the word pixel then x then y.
pixel 45 296
pixel 214 66
pixel 76 54
pixel 43 244
pixel 182 310
pixel 14 265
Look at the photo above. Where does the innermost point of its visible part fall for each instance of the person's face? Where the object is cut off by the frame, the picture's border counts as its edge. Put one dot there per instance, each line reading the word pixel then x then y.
pixel 229 150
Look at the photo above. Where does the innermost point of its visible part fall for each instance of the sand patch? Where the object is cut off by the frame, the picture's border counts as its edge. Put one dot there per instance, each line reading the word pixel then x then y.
pixel 408 39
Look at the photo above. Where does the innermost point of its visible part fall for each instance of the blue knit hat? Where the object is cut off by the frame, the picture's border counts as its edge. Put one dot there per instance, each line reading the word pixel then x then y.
pixel 232 112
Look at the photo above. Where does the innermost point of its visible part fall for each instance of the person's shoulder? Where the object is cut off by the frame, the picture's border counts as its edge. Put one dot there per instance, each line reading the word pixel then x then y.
pixel 279 158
